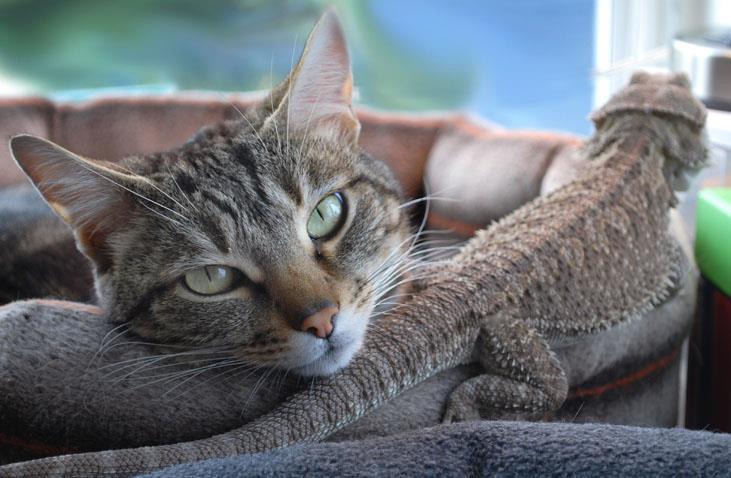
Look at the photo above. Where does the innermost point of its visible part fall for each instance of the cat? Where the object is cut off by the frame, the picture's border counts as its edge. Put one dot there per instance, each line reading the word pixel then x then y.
pixel 272 237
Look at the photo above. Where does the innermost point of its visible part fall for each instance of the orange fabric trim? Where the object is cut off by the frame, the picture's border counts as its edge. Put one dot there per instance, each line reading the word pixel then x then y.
pixel 432 121
pixel 67 304
pixel 661 363
pixel 463 229
pixel 62 304
pixel 481 129
pixel 34 446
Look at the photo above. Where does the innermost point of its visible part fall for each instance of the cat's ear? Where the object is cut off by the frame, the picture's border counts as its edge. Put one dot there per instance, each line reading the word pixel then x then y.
pixel 319 91
pixel 90 196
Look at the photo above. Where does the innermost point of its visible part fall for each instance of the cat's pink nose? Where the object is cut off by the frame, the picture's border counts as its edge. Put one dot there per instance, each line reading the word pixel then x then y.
pixel 321 322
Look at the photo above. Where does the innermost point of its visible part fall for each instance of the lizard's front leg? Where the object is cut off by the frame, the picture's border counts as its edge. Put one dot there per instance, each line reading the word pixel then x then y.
pixel 523 375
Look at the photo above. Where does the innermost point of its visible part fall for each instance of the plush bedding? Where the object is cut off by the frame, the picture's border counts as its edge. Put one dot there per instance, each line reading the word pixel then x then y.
pixel 491 449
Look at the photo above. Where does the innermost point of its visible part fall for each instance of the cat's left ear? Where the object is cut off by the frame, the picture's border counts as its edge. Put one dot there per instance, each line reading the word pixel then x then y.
pixel 320 88
pixel 91 196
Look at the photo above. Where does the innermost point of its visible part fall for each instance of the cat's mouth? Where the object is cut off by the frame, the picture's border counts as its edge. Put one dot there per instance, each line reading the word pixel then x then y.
pixel 333 357
pixel 310 356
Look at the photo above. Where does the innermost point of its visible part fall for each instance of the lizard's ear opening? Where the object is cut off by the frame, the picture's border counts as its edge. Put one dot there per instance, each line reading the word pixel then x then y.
pixel 92 197
pixel 316 98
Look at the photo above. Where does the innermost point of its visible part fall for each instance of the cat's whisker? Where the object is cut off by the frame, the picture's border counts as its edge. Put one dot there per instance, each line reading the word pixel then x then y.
pixel 307 125
pixel 391 299
pixel 203 370
pixel 107 341
pixel 404 272
pixel 283 378
pixel 187 352
pixel 251 369
pixel 447 242
pixel 271 101
pixel 245 118
pixel 145 366
pixel 385 288
pixel 412 279
pixel 178 223
pixel 401 268
pixel 133 362
pixel 425 198
pixel 394 307
pixel 185 371
pixel 175 375
pixel 249 372
pixel 185 196
pixel 148 365
pixel 429 196
pixel 149 369
pixel 427 252
pixel 434 252
pixel 388 275
pixel 396 250
pixel 185 348
pixel 134 193
pixel 385 313
pixel 389 311
pixel 218 376
pixel 395 296
pixel 149 182
pixel 289 92
pixel 259 383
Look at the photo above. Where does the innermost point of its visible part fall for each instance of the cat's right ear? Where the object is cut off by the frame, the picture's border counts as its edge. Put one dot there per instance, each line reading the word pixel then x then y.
pixel 91 197
pixel 316 98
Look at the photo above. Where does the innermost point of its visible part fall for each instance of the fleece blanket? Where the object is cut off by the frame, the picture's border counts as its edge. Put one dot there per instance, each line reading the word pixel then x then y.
pixel 63 377
pixel 490 449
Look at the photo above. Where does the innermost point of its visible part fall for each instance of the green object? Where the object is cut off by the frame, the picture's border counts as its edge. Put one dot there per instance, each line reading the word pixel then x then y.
pixel 713 236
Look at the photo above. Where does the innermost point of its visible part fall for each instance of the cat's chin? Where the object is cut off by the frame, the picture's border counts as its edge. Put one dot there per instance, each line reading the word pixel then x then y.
pixel 309 356
pixel 331 360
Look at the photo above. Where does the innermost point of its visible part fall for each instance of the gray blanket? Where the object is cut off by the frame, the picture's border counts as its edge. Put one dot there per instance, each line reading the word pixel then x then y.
pixel 491 448
pixel 68 385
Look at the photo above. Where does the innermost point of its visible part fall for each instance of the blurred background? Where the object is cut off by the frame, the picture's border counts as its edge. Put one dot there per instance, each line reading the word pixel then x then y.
pixel 521 63
pixel 533 64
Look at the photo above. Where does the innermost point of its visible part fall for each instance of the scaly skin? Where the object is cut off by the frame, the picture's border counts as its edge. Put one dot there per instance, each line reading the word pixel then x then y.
pixel 588 256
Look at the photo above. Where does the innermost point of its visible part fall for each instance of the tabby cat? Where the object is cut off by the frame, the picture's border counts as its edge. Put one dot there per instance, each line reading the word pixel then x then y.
pixel 272 237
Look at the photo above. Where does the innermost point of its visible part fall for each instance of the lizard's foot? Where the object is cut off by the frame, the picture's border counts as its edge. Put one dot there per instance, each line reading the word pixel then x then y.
pixel 461 407
pixel 490 397
pixel 526 379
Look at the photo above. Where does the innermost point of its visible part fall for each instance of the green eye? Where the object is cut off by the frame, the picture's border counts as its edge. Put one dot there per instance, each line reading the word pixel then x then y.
pixel 211 280
pixel 327 217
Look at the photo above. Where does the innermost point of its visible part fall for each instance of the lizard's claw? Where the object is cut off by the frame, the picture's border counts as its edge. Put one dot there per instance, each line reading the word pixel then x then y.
pixel 470 402
pixel 460 408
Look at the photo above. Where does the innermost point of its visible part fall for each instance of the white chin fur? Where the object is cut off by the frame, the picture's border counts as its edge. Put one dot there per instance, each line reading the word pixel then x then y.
pixel 311 357
pixel 329 362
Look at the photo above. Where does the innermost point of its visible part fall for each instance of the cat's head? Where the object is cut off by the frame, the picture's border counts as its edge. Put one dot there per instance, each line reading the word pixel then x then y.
pixel 271 237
